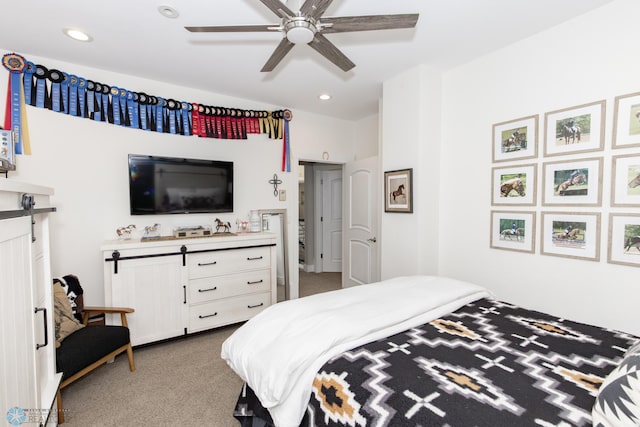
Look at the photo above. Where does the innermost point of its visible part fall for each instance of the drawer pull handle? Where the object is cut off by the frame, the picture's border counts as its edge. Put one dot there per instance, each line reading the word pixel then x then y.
pixel 202 264
pixel 256 282
pixel 208 290
pixel 208 315
pixel 257 305
pixel 254 258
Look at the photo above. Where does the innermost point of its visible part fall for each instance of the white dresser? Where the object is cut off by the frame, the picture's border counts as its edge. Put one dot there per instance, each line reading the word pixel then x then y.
pixel 182 286
pixel 27 352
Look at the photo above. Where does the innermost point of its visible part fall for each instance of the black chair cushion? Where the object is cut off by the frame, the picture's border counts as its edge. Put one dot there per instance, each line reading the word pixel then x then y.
pixel 87 345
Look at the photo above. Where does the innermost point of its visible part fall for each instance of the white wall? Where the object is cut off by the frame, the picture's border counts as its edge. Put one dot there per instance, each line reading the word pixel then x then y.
pixel 86 163
pixel 591 58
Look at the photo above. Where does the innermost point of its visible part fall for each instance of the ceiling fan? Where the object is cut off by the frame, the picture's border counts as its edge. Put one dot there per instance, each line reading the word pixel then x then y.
pixel 309 27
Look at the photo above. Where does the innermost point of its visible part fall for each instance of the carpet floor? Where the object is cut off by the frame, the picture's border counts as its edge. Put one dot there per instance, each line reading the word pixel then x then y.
pixel 182 382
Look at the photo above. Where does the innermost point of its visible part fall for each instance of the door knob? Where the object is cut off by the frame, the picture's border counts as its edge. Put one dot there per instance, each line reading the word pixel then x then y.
pixel 372 240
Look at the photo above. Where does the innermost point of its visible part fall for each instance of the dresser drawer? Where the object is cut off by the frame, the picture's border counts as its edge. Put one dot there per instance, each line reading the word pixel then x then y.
pixel 230 261
pixel 215 287
pixel 226 311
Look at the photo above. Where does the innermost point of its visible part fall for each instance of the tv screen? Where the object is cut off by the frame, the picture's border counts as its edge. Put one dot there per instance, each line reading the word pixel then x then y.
pixel 167 185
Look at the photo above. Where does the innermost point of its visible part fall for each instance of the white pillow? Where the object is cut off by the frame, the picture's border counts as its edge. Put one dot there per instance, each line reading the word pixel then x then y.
pixel 618 401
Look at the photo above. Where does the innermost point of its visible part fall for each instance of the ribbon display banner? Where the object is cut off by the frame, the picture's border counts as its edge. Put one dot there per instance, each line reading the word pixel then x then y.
pixel 62 92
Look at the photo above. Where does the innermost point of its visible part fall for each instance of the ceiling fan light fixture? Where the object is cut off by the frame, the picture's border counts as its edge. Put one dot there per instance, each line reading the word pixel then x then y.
pixel 300 31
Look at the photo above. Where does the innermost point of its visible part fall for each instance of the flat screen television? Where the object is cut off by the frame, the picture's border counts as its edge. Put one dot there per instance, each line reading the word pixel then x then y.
pixel 168 185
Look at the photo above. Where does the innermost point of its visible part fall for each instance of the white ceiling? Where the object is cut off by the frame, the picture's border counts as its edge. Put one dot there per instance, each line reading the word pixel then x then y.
pixel 131 37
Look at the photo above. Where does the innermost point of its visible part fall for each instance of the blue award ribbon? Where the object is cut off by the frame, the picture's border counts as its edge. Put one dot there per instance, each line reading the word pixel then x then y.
pixel 159 113
pixel 82 93
pixel 132 108
pixel 41 85
pixel 122 98
pixel 56 78
pixel 186 115
pixel 28 82
pixel 91 99
pixel 98 116
pixel 115 104
pixel 64 88
pixel 171 109
pixel 105 117
pixel 142 101
pixel 73 95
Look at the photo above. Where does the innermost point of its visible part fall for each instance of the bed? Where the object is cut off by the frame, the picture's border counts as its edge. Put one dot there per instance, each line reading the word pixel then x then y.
pixel 429 351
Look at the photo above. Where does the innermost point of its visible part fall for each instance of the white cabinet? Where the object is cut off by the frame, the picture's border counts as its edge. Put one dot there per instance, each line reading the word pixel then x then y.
pixel 27 352
pixel 183 286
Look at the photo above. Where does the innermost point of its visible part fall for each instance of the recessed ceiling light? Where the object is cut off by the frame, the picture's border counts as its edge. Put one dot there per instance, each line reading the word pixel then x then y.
pixel 325 97
pixel 78 35
pixel 168 12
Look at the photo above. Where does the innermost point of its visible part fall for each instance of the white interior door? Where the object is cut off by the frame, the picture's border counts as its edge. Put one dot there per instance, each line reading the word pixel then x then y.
pixel 331 221
pixel 360 251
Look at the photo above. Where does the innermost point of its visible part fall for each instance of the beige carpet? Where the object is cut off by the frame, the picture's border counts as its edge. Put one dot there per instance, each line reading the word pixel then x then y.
pixel 183 382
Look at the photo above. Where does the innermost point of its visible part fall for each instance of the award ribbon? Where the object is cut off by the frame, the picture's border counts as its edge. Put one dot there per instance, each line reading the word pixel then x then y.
pixel 159 113
pixel 142 103
pixel 171 110
pixel 107 114
pixel 64 89
pixel 73 95
pixel 124 112
pixel 41 86
pixel 56 77
pixel 186 115
pixel 115 104
pixel 82 94
pixel 16 65
pixel 27 78
pixel 97 102
pixel 132 108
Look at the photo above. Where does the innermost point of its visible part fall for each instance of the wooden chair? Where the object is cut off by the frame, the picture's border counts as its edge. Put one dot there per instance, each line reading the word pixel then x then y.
pixel 92 346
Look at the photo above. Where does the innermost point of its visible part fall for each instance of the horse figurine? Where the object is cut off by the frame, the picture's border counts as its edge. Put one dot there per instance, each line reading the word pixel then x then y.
pixel 125 232
pixel 225 226
pixel 399 192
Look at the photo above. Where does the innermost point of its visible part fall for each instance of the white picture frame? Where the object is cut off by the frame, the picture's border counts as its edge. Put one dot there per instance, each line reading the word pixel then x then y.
pixel 582 241
pixel 514 185
pixel 513 231
pixel 626 121
pixel 624 239
pixel 561 188
pixel 587 124
pixel 524 145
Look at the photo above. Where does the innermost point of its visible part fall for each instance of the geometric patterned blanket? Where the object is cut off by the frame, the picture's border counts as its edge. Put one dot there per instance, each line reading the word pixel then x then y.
pixel 487 364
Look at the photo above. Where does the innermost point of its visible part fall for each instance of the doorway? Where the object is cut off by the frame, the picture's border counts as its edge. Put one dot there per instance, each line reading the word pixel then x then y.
pixel 320 221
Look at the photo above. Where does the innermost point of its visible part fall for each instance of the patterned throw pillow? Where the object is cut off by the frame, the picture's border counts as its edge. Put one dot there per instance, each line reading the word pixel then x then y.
pixel 66 323
pixel 618 401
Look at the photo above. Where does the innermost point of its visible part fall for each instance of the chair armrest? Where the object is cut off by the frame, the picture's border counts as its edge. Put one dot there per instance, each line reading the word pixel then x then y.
pixel 109 309
pixel 106 310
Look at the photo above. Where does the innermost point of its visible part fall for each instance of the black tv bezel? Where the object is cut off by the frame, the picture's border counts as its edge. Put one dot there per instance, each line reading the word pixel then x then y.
pixel 228 164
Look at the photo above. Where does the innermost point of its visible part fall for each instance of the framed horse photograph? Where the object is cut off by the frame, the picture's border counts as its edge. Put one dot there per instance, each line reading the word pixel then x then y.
pixel 516 139
pixel 626 121
pixel 625 180
pixel 571 235
pixel 624 239
pixel 398 190
pixel 574 130
pixel 576 183
pixel 515 185
pixel 513 231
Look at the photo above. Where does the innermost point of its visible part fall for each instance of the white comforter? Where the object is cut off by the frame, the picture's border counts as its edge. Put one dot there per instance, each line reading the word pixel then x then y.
pixel 279 351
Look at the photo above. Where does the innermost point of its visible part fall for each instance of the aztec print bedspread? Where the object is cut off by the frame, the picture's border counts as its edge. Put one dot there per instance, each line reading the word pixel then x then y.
pixel 486 364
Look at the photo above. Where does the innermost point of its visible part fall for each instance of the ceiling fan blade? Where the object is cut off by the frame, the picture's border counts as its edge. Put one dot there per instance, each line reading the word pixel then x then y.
pixel 278 7
pixel 315 8
pixel 345 24
pixel 327 49
pixel 231 28
pixel 283 48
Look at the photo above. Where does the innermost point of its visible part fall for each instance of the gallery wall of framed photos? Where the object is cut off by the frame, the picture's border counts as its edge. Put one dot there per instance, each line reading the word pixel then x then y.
pixel 552 188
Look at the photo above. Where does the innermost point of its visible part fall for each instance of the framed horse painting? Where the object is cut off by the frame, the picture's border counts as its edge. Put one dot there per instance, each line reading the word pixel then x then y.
pixel 398 190
pixel 574 130
pixel 513 231
pixel 516 139
pixel 625 181
pixel 576 182
pixel 626 121
pixel 571 235
pixel 515 185
pixel 624 239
